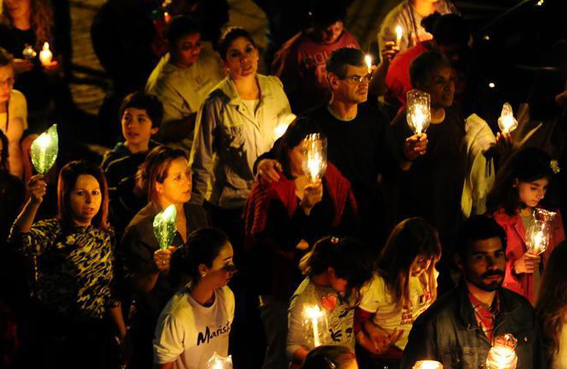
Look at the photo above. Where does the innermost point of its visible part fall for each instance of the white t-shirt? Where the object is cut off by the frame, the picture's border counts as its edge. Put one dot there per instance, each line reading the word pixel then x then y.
pixel 339 318
pixel 188 333
pixel 376 299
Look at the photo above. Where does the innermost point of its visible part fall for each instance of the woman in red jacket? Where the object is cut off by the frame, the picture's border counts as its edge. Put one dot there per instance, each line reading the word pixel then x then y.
pixel 518 191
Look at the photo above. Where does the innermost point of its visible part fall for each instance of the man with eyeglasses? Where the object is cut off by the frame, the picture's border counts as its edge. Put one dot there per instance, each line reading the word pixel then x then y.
pixel 358 142
pixel 182 80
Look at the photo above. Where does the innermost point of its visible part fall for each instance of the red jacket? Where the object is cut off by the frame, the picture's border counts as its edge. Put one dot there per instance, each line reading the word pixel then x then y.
pixel 516 247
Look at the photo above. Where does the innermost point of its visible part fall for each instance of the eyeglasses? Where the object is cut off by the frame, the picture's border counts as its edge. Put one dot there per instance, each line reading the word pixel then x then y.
pixel 356 80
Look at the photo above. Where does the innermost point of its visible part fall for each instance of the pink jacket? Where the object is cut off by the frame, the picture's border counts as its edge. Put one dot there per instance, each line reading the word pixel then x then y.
pixel 516 247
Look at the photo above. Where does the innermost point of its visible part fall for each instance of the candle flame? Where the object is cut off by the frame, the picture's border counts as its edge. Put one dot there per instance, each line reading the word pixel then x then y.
pixel 368 60
pixel 507 122
pixel 399 32
pixel 428 364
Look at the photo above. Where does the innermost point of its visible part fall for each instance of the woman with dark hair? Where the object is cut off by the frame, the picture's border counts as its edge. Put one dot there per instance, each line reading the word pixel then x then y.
pixel 282 219
pixel 403 287
pixel 551 307
pixel 166 177
pixel 30 23
pixel 235 125
pixel 336 270
pixel 330 357
pixel 519 188
pixel 75 267
pixel 197 321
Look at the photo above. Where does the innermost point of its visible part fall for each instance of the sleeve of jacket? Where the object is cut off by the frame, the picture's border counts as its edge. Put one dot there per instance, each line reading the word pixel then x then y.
pixel 203 150
pixel 422 342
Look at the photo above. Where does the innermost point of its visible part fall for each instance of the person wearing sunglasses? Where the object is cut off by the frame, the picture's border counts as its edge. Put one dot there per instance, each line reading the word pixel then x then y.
pixel 197 321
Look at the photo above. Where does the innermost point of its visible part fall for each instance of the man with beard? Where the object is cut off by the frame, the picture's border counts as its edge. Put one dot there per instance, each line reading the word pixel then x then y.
pixel 458 329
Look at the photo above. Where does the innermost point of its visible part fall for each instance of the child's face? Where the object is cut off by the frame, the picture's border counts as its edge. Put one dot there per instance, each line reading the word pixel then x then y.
pixel 137 126
pixel 531 193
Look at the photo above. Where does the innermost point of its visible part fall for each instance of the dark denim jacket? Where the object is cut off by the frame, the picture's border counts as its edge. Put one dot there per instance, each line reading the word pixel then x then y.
pixel 448 332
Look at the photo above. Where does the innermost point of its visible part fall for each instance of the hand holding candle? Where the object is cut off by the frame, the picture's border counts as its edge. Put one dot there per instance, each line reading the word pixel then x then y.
pixel 164 226
pixel 507 123
pixel 502 355
pixel 44 150
pixel 219 362
pixel 315 159
pixel 45 55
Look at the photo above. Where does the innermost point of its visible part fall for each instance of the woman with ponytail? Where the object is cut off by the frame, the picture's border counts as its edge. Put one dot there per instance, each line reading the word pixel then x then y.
pixel 336 270
pixel 196 322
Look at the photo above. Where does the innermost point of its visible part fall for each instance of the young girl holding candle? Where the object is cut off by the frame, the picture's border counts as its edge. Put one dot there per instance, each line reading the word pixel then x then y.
pixel 403 287
pixel 166 176
pixel 197 321
pixel 519 188
pixel 75 268
pixel 336 270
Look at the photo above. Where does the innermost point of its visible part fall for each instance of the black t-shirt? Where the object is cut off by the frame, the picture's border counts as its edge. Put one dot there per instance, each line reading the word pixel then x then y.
pixel 432 188
pixel 359 148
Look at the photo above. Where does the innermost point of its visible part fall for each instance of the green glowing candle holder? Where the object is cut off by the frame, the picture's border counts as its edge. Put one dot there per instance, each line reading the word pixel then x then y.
pixel 164 226
pixel 44 150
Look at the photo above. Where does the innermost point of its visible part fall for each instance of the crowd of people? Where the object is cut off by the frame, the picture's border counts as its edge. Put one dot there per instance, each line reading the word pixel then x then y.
pixel 411 245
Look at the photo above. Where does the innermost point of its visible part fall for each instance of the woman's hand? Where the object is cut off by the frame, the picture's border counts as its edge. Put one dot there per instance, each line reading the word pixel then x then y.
pixel 527 264
pixel 162 258
pixel 380 339
pixel 22 66
pixel 269 170
pixel 415 146
pixel 37 188
pixel 312 195
pixel 389 52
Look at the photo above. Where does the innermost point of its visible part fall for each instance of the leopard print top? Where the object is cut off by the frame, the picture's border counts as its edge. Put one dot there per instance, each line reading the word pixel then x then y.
pixel 76 269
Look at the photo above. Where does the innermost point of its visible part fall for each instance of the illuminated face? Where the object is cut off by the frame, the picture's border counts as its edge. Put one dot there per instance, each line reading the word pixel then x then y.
pixel 330 34
pixel 531 193
pixel 441 87
pixel 484 264
pixel 176 187
pixel 18 9
pixel 354 87
pixel 337 283
pixel 420 264
pixel 222 268
pixel 137 126
pixel 187 50
pixel 241 59
pixel 6 82
pixel 296 158
pixel 85 198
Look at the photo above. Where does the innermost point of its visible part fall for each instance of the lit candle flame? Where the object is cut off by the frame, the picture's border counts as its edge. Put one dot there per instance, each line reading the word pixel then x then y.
pixel 502 355
pixel 219 362
pixel 507 123
pixel 368 60
pixel 164 226
pixel 428 364
pixel 399 32
pixel 44 150
pixel 314 314
pixel 418 113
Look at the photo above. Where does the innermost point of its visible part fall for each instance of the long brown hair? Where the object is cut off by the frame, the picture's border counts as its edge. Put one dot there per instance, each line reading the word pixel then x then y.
pixel 67 180
pixel 551 304
pixel 409 239
pixel 155 167
pixel 41 20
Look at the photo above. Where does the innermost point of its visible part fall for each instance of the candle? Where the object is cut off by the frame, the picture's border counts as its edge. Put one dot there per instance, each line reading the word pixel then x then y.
pixel 166 17
pixel 315 158
pixel 314 314
pixel 502 355
pixel 45 55
pixel 537 235
pixel 428 364
pixel 219 362
pixel 507 123
pixel 368 61
pixel 164 226
pixel 44 150
pixel 399 32
pixel 418 112
pixel 29 53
